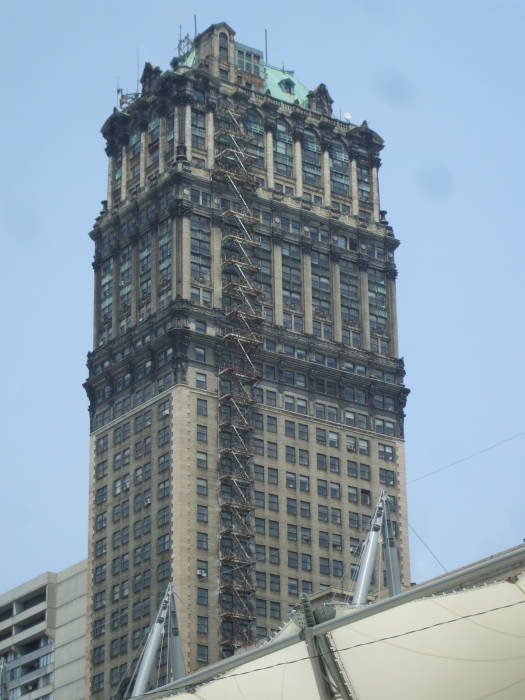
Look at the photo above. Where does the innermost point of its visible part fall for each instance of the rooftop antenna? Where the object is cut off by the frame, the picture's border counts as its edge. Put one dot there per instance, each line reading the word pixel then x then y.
pixel 194 26
pixel 266 46
pixel 138 68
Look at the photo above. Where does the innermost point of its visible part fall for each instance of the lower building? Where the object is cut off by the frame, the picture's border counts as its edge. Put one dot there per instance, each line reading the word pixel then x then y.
pixel 42 636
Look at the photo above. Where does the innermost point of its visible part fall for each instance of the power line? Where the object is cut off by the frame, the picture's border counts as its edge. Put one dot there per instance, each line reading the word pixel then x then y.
pixel 465 459
pixel 425 545
pixel 374 641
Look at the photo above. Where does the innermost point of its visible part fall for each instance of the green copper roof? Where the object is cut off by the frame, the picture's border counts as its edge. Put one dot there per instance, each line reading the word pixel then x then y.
pixel 187 60
pixel 273 82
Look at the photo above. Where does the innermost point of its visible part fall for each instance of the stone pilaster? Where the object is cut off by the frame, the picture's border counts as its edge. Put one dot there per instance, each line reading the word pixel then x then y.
pixel 392 312
pixel 143 156
pixel 125 175
pixel 216 264
pixel 277 272
pixel 163 143
pixel 325 176
pixel 135 291
pixel 298 165
pixel 335 280
pixel 353 187
pixel 116 295
pixel 375 192
pixel 268 158
pixel 96 304
pixel 364 308
pixel 210 138
pixel 111 174
pixel 187 129
pixel 154 269
pixel 306 260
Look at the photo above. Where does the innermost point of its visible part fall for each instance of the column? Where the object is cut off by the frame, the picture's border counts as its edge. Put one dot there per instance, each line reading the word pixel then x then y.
pixel 180 130
pixel 325 175
pixel 135 291
pixel 268 156
pixel 210 137
pixel 216 264
pixel 96 304
pixel 353 187
pixel 124 177
pixel 143 156
pixel 375 189
pixel 174 257
pixel 111 171
pixel 163 144
pixel 183 256
pixel 277 271
pixel 336 295
pixel 187 130
pixel 392 311
pixel 306 261
pixel 363 306
pixel 298 164
pixel 115 295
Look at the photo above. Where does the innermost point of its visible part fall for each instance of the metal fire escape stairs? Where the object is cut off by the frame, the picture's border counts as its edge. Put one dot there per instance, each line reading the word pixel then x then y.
pixel 237 374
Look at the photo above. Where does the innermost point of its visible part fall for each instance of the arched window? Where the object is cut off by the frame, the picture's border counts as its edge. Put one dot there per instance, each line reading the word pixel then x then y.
pixel 255 128
pixel 223 47
pixel 282 149
pixel 339 168
pixel 311 159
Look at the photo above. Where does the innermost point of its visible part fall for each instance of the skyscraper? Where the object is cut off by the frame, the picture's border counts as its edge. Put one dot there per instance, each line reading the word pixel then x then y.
pixel 246 394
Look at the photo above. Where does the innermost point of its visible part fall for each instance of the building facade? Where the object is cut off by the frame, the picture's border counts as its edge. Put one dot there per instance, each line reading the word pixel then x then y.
pixel 246 393
pixel 43 636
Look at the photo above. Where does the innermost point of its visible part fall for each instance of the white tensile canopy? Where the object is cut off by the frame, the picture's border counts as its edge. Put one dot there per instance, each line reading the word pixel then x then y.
pixel 463 645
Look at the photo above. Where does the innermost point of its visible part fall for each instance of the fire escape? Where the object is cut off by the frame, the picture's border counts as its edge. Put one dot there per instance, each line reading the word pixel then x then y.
pixel 237 375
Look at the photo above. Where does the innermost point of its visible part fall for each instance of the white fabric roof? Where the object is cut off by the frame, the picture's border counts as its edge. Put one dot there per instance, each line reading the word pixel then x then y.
pixel 466 645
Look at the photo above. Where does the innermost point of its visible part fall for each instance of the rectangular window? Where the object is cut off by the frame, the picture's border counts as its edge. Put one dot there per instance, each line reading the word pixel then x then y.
pixel 273 502
pixel 271 449
pixel 385 452
pixel 202 514
pixel 273 528
pixel 322 513
pixel 387 476
pixel 322 487
pixel 291 506
pixel 305 509
pixel 324 566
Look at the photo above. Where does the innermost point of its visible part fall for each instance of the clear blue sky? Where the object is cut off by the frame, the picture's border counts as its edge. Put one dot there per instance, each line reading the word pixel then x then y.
pixel 441 82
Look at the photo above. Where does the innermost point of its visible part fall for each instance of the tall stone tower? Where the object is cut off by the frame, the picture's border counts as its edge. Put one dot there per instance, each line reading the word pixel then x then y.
pixel 246 393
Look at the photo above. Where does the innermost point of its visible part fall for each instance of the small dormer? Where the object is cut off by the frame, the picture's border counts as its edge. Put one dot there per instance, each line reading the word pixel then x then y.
pixel 287 85
pixel 215 46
